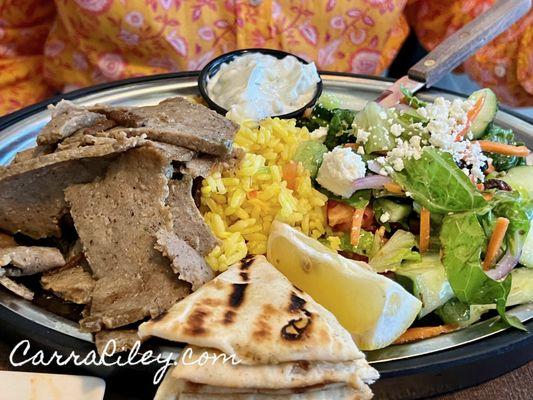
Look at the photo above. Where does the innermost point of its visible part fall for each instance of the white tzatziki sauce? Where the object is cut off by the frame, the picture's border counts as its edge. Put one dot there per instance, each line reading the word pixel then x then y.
pixel 255 86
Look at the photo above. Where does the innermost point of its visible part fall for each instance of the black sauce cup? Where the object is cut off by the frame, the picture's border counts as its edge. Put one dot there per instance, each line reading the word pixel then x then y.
pixel 212 68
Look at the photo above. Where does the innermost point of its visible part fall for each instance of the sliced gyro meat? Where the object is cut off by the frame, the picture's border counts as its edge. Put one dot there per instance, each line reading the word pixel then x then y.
pixel 176 121
pixel 29 260
pixel 31 191
pixel 188 223
pixel 117 218
pixel 186 262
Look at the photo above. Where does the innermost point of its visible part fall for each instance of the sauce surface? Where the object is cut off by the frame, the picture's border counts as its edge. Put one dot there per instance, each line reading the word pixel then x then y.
pixel 255 86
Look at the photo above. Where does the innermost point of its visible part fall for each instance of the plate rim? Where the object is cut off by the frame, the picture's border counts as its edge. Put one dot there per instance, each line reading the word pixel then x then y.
pixel 389 366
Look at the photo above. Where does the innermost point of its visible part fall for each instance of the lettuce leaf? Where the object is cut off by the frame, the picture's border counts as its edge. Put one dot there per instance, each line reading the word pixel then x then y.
pixel 436 183
pixel 340 128
pixel 519 212
pixel 412 100
pixel 497 134
pixel 368 244
pixel 398 248
pixel 463 240
pixel 374 119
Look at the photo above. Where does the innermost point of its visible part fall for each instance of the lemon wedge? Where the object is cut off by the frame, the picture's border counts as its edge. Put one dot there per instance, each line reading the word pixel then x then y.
pixel 373 308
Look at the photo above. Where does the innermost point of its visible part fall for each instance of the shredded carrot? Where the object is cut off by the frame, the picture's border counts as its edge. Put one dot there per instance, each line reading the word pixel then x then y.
pixel 501 148
pixel 393 187
pixel 490 169
pixel 424 332
pixel 480 187
pixel 290 173
pixel 495 242
pixel 424 230
pixel 471 115
pixel 355 232
pixel 488 196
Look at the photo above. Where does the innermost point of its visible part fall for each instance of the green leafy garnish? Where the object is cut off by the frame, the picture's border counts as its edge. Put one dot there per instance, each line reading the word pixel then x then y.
pixel 398 248
pixel 412 100
pixel 463 240
pixel 340 128
pixel 519 212
pixel 368 244
pixel 498 134
pixel 320 117
pixel 435 182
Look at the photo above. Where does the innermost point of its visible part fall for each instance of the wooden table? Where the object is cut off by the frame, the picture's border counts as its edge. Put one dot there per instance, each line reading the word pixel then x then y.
pixel 516 385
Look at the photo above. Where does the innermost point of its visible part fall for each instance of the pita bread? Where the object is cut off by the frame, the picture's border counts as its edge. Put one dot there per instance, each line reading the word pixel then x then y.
pixel 253 312
pixel 210 367
pixel 176 389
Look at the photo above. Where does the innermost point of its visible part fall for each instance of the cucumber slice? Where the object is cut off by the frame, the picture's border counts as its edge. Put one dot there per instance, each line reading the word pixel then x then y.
pixel 310 154
pixel 486 114
pixel 396 211
pixel 329 101
pixel 526 258
pixel 426 279
pixel 521 179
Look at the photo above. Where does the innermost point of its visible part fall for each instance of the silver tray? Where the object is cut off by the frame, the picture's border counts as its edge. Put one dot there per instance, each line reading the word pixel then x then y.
pixel 18 132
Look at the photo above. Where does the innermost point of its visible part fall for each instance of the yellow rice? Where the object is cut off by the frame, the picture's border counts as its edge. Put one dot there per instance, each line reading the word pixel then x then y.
pixel 240 204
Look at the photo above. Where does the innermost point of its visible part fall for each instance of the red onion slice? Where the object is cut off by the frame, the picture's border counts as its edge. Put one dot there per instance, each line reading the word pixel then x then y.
pixel 504 266
pixel 371 182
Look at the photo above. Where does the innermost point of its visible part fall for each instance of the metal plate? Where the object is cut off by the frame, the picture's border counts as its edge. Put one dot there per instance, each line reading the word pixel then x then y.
pixel 18 132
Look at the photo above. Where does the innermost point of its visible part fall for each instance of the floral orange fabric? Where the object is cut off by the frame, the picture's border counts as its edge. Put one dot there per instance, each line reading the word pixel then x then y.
pixel 48 46
pixel 505 64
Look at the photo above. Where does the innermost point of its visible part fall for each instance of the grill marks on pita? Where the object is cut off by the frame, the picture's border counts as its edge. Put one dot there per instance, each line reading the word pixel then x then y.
pixel 238 292
pixel 251 325
pixel 117 178
pixel 284 341
pixel 297 327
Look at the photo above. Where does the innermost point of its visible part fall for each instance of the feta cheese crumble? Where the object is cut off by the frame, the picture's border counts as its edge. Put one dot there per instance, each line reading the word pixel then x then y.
pixel 362 136
pixel 447 128
pixel 340 168
pixel 384 217
pixel 319 134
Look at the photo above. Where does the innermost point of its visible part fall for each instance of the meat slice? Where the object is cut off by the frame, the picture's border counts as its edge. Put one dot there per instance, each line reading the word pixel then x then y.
pixel 7 241
pixel 31 191
pixel 32 152
pixel 176 121
pixel 186 262
pixel 116 219
pixel 29 260
pixel 188 223
pixel 64 124
pixel 15 287
pixel 124 340
pixel 173 152
pixel 72 284
pixel 204 165
pixel 89 135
